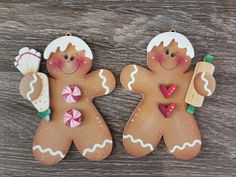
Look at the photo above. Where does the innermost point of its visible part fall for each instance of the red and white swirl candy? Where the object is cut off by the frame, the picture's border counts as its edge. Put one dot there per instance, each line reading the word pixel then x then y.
pixel 71 93
pixel 73 118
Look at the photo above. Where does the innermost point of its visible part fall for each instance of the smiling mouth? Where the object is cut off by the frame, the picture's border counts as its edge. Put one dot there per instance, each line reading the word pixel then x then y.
pixel 168 68
pixel 69 72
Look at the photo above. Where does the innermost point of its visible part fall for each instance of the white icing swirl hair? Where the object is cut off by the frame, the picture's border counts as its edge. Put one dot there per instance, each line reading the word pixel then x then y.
pixel 63 42
pixel 167 37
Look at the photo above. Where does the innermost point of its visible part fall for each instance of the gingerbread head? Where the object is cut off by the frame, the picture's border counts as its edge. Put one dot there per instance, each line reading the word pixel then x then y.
pixel 169 52
pixel 68 56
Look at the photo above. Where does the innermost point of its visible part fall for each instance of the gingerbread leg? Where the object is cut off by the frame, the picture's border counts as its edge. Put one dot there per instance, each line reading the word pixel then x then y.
pixel 182 135
pixel 93 138
pixel 142 132
pixel 51 142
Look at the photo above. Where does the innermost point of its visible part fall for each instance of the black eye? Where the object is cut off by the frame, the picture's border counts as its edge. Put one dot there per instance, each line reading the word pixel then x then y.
pixel 167 52
pixel 172 55
pixel 72 58
pixel 66 56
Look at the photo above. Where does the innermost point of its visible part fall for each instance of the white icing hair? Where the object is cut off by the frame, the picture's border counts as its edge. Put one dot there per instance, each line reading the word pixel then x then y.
pixel 63 42
pixel 167 37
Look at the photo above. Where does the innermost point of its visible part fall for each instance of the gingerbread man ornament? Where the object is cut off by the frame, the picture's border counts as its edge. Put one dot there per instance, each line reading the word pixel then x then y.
pixel 163 111
pixel 65 100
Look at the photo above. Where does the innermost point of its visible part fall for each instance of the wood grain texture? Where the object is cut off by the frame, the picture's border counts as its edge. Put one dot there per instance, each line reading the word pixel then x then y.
pixel 118 33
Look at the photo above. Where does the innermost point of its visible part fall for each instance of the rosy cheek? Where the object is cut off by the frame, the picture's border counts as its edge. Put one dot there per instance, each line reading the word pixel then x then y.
pixel 181 60
pixel 79 62
pixel 159 57
pixel 56 63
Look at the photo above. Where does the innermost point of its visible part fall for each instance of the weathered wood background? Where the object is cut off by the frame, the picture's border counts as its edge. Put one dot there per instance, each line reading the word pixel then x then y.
pixel 118 33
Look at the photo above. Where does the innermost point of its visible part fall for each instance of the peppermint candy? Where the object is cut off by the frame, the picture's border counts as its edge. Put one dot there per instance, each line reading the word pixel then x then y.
pixel 71 93
pixel 73 118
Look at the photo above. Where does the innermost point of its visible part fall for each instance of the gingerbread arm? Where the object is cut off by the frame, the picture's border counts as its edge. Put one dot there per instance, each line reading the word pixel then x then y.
pixel 135 78
pixel 204 84
pixel 100 82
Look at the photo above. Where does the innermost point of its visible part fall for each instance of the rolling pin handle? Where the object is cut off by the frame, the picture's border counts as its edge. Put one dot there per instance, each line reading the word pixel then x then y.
pixel 208 58
pixel 191 109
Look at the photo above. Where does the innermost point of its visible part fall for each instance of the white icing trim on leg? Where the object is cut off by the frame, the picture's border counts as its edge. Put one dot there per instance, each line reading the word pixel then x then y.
pixel 206 83
pixel 138 141
pixel 186 144
pixel 31 86
pixel 95 146
pixel 132 77
pixel 49 150
pixel 104 80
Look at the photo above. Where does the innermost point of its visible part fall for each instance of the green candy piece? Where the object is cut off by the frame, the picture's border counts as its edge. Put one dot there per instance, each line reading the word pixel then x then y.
pixel 208 58
pixel 45 113
pixel 191 109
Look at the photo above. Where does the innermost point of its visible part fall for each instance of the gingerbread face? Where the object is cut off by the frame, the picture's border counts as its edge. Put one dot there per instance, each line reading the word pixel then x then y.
pixel 170 58
pixel 70 62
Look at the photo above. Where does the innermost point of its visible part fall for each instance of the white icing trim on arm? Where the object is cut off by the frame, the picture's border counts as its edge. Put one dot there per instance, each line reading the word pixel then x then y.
pixel 49 150
pixel 63 42
pixel 95 146
pixel 138 141
pixel 132 77
pixel 31 86
pixel 167 37
pixel 206 83
pixel 104 80
pixel 185 145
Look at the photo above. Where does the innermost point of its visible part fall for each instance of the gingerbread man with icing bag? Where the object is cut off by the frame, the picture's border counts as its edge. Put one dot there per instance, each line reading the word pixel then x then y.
pixel 166 88
pixel 64 100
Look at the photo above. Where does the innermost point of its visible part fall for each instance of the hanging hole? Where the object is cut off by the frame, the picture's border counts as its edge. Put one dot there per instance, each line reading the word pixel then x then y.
pixel 68 34
pixel 172 30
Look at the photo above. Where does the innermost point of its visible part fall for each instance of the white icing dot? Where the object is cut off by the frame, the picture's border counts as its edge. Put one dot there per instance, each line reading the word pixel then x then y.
pixel 135 114
pixel 50 62
pixel 99 121
pixel 97 117
pixel 132 120
pixel 85 62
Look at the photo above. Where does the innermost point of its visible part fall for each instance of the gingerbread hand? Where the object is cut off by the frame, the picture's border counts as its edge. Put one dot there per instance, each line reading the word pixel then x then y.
pixel 31 86
pixel 204 83
pixel 106 86
pixel 134 78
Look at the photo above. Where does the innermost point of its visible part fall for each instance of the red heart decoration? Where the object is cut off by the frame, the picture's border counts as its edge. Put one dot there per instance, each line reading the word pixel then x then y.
pixel 166 111
pixel 167 92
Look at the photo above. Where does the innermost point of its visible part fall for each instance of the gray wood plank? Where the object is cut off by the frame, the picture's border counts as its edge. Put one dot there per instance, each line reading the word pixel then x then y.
pixel 118 33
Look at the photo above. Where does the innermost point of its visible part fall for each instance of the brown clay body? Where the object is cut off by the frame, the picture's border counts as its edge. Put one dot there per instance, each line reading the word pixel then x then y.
pixel 92 137
pixel 147 125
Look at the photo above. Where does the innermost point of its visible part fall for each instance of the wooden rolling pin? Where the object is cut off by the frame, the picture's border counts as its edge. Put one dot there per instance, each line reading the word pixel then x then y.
pixel 192 97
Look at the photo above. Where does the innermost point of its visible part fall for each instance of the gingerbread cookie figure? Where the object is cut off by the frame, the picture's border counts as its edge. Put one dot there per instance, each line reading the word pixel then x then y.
pixel 163 111
pixel 65 100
